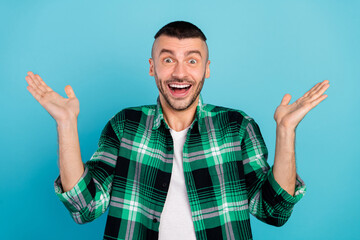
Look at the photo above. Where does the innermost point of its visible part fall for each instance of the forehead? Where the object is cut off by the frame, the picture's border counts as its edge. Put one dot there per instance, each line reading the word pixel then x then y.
pixel 178 46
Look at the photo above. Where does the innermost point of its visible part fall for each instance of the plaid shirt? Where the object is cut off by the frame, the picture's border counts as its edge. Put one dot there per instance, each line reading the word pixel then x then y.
pixel 225 169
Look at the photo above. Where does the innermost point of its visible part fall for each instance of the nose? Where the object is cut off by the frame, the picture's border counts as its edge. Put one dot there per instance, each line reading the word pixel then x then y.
pixel 179 71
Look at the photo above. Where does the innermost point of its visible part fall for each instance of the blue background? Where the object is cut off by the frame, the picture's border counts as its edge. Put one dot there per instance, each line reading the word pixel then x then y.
pixel 259 50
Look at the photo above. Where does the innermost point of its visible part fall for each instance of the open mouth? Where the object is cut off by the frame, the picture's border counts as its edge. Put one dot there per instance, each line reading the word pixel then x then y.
pixel 179 90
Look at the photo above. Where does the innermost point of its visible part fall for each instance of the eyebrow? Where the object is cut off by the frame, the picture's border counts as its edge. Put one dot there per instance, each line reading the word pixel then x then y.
pixel 186 53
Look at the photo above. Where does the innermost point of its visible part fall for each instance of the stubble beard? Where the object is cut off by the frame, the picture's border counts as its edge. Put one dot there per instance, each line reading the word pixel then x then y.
pixel 173 104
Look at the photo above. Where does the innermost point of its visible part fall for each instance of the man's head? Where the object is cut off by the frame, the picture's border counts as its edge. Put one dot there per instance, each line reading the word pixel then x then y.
pixel 179 64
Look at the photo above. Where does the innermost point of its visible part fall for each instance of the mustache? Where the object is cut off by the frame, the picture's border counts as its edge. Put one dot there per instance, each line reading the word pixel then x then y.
pixel 179 80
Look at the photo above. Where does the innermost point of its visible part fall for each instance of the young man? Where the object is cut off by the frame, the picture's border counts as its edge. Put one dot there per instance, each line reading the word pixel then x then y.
pixel 180 169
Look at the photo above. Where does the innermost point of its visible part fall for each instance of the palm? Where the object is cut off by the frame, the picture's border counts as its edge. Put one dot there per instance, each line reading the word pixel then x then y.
pixel 59 108
pixel 290 115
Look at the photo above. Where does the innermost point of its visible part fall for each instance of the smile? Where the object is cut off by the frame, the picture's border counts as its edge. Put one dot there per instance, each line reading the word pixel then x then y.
pixel 179 90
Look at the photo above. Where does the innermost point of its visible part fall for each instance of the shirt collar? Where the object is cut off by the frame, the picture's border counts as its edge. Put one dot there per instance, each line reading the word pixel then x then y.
pixel 199 115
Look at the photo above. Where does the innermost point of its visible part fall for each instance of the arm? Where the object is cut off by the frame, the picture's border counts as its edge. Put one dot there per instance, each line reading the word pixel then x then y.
pixel 90 197
pixel 70 163
pixel 267 200
pixel 287 118
pixel 83 189
pixel 271 190
pixel 65 112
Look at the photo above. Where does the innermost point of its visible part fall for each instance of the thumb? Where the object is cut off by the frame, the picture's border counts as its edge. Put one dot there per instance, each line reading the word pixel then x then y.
pixel 286 99
pixel 69 92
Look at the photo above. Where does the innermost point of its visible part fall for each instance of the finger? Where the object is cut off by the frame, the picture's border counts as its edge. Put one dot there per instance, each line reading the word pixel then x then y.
pixel 34 93
pixel 38 83
pixel 34 81
pixel 31 83
pixel 286 99
pixel 69 92
pixel 312 89
pixel 41 81
pixel 320 91
pixel 29 79
pixel 316 87
pixel 318 100
pixel 323 88
pixel 31 75
pixel 320 86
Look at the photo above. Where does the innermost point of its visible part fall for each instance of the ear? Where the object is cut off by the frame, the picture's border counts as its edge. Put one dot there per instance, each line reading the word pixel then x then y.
pixel 207 69
pixel 152 70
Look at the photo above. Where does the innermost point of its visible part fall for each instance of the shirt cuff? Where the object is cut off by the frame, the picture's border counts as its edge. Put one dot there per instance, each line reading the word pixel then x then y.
pixel 74 199
pixel 289 200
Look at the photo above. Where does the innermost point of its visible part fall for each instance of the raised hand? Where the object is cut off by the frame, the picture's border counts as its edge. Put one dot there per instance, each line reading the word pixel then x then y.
pixel 60 108
pixel 289 116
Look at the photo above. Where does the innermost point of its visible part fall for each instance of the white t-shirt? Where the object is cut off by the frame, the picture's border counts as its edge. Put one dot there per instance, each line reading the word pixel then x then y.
pixel 175 220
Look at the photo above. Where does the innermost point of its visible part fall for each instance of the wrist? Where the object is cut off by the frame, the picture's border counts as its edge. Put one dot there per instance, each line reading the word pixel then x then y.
pixel 285 128
pixel 66 124
pixel 284 131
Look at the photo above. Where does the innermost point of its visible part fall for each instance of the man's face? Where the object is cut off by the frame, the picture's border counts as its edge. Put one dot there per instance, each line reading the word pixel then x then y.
pixel 180 68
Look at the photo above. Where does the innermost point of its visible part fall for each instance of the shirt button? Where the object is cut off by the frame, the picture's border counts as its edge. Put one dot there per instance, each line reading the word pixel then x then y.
pixel 169 148
pixel 164 184
pixel 154 220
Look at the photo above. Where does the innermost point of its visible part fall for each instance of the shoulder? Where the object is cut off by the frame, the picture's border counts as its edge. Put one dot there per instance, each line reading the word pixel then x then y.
pixel 233 115
pixel 133 113
pixel 234 120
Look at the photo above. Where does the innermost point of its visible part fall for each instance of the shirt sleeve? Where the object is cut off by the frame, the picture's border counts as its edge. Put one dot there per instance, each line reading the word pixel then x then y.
pixel 90 197
pixel 267 200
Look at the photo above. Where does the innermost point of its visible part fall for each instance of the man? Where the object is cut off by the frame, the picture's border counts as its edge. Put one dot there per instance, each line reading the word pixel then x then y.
pixel 180 169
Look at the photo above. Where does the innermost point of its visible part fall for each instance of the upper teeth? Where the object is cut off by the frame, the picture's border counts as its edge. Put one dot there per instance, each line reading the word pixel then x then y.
pixel 179 86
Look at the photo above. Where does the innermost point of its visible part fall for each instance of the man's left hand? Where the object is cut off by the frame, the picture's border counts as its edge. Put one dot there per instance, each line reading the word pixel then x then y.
pixel 289 116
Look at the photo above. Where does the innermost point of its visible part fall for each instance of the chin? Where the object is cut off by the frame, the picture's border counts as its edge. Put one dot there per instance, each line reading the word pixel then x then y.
pixel 183 105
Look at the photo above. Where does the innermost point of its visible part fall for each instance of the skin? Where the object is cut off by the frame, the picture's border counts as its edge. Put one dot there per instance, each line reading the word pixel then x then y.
pixel 178 61
pixel 65 112
pixel 287 117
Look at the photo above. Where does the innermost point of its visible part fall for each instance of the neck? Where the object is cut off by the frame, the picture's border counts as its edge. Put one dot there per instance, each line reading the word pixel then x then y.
pixel 179 120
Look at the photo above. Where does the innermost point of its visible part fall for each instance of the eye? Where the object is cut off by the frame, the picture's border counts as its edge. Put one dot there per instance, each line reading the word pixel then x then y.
pixel 168 60
pixel 192 61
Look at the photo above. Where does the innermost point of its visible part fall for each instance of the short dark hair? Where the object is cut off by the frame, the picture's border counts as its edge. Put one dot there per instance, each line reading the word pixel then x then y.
pixel 181 30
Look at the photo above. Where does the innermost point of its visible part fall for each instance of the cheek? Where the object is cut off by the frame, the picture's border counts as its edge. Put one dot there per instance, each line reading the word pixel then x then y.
pixel 163 72
pixel 199 74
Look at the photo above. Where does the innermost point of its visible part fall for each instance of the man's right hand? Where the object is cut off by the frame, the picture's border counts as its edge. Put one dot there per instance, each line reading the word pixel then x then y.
pixel 65 112
pixel 61 109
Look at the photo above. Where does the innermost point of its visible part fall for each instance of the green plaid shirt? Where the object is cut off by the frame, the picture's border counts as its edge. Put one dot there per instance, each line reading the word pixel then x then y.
pixel 225 169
